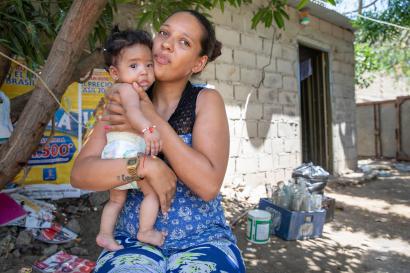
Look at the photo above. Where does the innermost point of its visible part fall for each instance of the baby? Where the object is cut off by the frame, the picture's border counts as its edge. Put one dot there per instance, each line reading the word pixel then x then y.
pixel 128 59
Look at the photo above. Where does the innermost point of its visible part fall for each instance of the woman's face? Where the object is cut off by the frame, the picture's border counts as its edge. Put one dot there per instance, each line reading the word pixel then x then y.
pixel 177 47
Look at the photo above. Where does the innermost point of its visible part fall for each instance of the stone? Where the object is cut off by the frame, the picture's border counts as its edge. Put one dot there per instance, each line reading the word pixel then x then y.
pixel 23 239
pixel 79 251
pixel 6 244
pixel 50 250
pixel 98 198
pixel 74 226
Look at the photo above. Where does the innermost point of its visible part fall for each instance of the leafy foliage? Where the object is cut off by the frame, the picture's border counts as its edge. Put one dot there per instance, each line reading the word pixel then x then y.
pixel 28 28
pixel 381 47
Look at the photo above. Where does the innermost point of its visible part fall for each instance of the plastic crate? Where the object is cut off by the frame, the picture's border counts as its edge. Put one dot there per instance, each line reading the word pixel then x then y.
pixel 294 225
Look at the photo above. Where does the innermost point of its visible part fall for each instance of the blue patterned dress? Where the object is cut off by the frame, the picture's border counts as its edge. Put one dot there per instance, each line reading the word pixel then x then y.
pixel 198 237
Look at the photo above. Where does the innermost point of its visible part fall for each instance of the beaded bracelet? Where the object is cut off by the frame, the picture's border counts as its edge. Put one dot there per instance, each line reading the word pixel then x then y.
pixel 150 129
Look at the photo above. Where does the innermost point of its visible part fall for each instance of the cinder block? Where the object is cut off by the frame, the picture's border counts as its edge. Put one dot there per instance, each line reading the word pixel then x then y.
pixel 254 111
pixel 267 95
pixel 246 165
pixel 225 89
pixel 285 160
pixel 226 56
pixel 272 112
pixel 243 57
pixel 290 83
pixel 273 80
pixel 288 98
pixel 348 35
pixel 242 91
pixel 251 42
pixel 265 129
pixel 263 62
pixel 291 111
pixel 233 110
pixel 289 53
pixel 234 145
pixel 267 163
pixel 208 73
pixel 221 18
pixel 227 72
pixel 227 36
pixel 251 76
pixel 267 47
pixel 337 32
pixel 251 147
pixel 325 27
pixel 285 67
pixel 253 180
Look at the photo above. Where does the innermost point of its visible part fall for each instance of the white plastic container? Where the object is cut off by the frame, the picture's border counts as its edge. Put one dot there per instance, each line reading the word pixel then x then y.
pixel 257 230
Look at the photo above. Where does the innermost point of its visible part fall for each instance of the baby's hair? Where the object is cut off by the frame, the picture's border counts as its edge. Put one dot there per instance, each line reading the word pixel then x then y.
pixel 119 40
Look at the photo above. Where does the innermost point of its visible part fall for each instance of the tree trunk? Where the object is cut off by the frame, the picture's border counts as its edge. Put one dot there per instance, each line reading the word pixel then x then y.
pixel 95 59
pixel 57 73
pixel 4 64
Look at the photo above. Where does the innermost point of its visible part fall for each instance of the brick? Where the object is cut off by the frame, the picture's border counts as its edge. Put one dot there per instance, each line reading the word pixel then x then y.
pixel 265 130
pixel 290 53
pixel 272 112
pixel 230 169
pixel 284 130
pixel 246 165
pixel 290 83
pixel 227 36
pixel 233 111
pixel 337 32
pixel 254 111
pixel 241 92
pixel 284 160
pixel 234 145
pixel 226 56
pixel 267 163
pixel 225 89
pixel 262 62
pixel 253 180
pixel 251 76
pixel 267 95
pixel 325 27
pixel 208 73
pixel 285 67
pixel 291 111
pixel 222 18
pixel 243 57
pixel 251 42
pixel 273 80
pixel 251 147
pixel 267 47
pixel 288 98
pixel 227 72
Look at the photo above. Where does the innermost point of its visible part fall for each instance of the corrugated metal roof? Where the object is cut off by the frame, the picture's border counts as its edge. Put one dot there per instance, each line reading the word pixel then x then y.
pixel 325 12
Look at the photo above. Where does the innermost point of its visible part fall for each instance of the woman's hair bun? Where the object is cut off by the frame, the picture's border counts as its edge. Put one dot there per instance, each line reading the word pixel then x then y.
pixel 216 51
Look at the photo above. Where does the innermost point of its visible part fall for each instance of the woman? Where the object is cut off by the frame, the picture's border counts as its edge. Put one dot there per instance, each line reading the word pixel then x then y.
pixel 195 142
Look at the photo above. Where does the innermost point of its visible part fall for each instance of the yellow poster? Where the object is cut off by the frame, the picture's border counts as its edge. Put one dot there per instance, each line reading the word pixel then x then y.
pixel 52 163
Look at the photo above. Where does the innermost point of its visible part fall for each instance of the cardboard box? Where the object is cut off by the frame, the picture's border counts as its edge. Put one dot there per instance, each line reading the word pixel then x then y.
pixel 294 225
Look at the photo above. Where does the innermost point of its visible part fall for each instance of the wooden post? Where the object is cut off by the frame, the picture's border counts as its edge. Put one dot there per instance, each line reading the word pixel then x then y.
pixel 57 73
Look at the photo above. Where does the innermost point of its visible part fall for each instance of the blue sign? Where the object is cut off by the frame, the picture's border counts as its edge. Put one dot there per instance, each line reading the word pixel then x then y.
pixel 60 150
pixel 49 174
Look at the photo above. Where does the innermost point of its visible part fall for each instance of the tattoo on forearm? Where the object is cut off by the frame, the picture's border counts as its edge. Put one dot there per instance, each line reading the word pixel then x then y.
pixel 125 179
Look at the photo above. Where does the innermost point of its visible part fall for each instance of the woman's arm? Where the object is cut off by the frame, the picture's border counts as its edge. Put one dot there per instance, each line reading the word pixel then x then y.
pixel 202 167
pixel 93 173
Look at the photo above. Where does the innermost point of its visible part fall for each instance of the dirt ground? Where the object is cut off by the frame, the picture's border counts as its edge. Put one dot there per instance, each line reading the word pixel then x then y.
pixel 370 233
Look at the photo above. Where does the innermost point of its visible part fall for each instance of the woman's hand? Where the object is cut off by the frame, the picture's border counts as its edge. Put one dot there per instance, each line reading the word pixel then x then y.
pixel 115 113
pixel 147 108
pixel 161 178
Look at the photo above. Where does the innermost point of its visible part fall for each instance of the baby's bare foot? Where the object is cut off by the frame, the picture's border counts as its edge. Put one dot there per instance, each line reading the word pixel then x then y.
pixel 151 236
pixel 107 241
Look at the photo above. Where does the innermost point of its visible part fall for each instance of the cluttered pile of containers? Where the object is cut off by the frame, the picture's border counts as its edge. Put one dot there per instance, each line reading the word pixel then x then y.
pixel 297 209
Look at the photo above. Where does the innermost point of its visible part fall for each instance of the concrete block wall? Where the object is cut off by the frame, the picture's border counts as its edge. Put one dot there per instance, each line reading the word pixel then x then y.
pixel 266 139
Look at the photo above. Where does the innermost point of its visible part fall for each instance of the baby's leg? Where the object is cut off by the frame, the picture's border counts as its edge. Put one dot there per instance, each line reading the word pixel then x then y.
pixel 148 214
pixel 109 217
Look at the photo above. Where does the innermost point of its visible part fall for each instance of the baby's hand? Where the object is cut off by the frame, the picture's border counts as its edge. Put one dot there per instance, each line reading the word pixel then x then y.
pixel 152 141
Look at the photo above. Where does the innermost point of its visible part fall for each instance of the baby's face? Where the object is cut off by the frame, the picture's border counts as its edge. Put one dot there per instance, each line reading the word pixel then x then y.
pixel 135 64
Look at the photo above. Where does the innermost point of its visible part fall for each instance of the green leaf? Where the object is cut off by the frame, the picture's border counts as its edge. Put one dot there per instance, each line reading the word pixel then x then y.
pixel 278 19
pixel 302 3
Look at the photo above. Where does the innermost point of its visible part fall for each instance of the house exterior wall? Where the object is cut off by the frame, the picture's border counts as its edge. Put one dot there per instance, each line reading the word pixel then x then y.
pixel 266 139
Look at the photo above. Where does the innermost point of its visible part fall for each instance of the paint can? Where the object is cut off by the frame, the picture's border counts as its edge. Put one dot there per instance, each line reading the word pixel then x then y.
pixel 257 230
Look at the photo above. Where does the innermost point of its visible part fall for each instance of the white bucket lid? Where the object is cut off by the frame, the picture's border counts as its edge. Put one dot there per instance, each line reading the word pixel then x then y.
pixel 259 214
